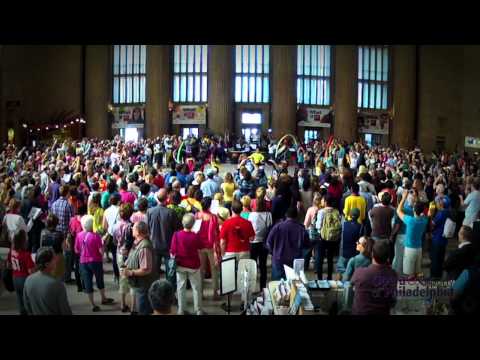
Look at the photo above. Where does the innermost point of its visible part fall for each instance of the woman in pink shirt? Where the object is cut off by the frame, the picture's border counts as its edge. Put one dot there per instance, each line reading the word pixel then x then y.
pixel 209 237
pixel 125 195
pixel 90 248
pixel 185 249
pixel 75 228
pixel 141 214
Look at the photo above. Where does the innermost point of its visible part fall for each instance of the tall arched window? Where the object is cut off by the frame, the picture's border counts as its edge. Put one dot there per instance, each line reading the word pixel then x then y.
pixel 129 74
pixel 373 77
pixel 252 73
pixel 314 74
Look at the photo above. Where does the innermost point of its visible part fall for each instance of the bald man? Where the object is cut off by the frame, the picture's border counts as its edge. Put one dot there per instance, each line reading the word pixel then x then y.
pixel 162 223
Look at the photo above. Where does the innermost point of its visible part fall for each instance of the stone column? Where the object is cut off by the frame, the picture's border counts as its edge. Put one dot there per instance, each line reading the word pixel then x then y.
pixel 283 85
pixel 3 131
pixel 345 103
pixel 404 95
pixel 158 90
pixel 97 90
pixel 220 97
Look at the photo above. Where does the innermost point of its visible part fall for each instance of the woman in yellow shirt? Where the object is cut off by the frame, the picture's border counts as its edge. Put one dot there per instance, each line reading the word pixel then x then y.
pixel 95 210
pixel 191 201
pixel 228 188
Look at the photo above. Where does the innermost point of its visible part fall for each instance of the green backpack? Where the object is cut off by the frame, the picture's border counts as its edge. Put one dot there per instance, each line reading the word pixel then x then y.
pixel 331 226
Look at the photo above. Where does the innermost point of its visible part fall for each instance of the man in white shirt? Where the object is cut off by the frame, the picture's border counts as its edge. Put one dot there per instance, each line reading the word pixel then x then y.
pixel 110 218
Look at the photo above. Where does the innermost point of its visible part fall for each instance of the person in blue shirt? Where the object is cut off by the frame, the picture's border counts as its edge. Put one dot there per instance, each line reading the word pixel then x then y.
pixel 415 227
pixel 398 238
pixel 351 232
pixel 210 187
pixel 439 243
pixel 363 259
pixel 465 299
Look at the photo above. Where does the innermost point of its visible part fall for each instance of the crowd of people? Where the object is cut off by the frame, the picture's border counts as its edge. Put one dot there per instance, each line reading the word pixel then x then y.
pixel 67 208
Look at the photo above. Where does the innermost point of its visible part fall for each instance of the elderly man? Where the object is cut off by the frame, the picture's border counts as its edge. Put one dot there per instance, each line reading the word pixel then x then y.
pixel 140 267
pixel 210 187
pixel 162 297
pixel 162 223
pixel 43 294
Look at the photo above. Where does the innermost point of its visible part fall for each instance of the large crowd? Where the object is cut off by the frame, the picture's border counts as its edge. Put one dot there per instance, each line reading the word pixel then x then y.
pixel 165 214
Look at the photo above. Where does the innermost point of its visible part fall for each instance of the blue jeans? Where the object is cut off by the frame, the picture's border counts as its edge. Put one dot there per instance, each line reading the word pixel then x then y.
pixel 278 272
pixel 437 257
pixel 88 270
pixel 342 264
pixel 315 244
pixel 143 302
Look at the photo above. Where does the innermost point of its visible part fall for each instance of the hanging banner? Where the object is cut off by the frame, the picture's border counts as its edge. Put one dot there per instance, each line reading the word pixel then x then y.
pixel 189 115
pixel 314 117
pixel 472 142
pixel 374 123
pixel 128 117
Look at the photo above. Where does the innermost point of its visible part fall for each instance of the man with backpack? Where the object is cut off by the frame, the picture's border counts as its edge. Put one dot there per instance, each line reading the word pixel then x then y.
pixel 330 227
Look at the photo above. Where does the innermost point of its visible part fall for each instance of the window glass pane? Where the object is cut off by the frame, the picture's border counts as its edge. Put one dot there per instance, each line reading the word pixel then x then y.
pixel 266 90
pixel 198 54
pixel 122 90
pixel 204 60
pixel 266 59
pixel 307 59
pixel 365 95
pixel 251 87
pixel 360 62
pixel 129 59
pixel 359 103
pixel 372 63
pixel 190 88
pixel 245 58
pixel 259 58
pixel 245 88
pixel 385 64
pixel 176 59
pixel 116 87
pixel 116 59
pixel 183 88
pixel 204 88
pixel 365 63
pixel 129 90
pixel 123 59
pixel 313 92
pixel 372 96
pixel 176 88
pixel 328 57
pixel 143 59
pixel 299 59
pixel 326 87
pixel 378 75
pixel 197 88
pixel 238 89
pixel 251 118
pixel 378 99
pixel 136 90
pixel 252 59
pixel 258 90
pixel 183 58
pixel 321 92
pixel 142 88
pixel 300 90
pixel 307 92
pixel 314 52
pixel 238 55
pixel 385 97
pixel 191 58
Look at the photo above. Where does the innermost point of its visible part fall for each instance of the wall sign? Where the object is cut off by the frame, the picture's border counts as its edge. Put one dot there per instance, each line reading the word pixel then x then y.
pixel 128 117
pixel 472 142
pixel 189 115
pixel 315 117
pixel 374 123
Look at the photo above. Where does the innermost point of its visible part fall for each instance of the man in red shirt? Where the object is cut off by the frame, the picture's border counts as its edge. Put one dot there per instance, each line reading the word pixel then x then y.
pixel 236 234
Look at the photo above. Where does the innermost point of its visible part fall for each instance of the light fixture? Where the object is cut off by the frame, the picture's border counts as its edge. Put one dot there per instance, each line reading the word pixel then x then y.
pixel 46 128
pixel 56 126
pixel 24 126
pixel 38 129
pixel 71 122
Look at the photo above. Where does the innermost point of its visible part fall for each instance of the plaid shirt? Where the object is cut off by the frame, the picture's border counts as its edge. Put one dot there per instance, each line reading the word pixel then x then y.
pixel 64 211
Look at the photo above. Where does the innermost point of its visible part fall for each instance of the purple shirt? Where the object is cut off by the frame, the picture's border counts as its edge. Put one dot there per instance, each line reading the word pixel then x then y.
pixel 286 242
pixel 89 247
pixel 54 193
pixel 375 288
pixel 185 246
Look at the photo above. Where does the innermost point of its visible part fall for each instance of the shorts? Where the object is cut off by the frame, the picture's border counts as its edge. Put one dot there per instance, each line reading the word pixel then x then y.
pixel 412 261
pixel 88 271
pixel 124 286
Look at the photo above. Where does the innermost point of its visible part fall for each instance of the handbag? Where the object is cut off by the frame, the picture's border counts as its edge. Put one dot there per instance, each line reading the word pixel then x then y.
pixel 7 278
pixel 171 265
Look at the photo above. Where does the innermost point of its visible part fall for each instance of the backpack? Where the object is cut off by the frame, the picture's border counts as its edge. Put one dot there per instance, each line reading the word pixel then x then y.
pixel 331 226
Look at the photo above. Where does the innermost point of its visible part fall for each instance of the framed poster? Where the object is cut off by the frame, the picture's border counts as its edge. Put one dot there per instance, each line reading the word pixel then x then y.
pixel 228 275
pixel 128 117
pixel 374 123
pixel 472 142
pixel 189 115
pixel 314 117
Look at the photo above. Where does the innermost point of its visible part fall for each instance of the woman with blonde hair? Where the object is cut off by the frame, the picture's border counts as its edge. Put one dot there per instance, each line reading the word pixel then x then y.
pixel 261 194
pixel 96 211
pixel 246 202
pixel 228 187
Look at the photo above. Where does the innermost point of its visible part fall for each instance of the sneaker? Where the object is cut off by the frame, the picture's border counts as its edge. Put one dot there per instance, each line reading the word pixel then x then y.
pixel 108 301
pixel 96 308
pixel 125 309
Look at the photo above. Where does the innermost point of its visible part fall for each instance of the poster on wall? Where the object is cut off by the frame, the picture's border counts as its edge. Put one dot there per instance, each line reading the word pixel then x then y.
pixel 128 117
pixel 189 115
pixel 472 142
pixel 314 117
pixel 374 123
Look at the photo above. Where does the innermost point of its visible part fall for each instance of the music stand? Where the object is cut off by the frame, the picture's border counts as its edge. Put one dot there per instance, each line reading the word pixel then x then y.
pixel 228 279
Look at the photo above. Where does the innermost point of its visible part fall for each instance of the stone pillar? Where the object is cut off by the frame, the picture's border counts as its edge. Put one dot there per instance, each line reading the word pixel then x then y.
pixel 158 90
pixel 220 97
pixel 97 90
pixel 3 131
pixel 345 103
pixel 283 85
pixel 404 95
